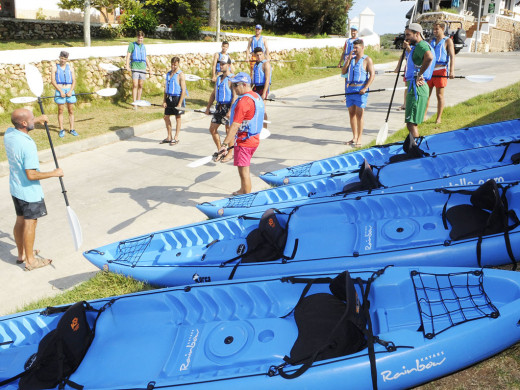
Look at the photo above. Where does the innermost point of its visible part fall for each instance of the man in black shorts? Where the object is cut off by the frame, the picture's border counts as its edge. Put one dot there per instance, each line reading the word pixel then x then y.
pixel 174 100
pixel 224 95
pixel 24 184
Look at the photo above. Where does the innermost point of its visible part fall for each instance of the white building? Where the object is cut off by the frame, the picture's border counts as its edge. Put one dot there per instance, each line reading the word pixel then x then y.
pixel 365 24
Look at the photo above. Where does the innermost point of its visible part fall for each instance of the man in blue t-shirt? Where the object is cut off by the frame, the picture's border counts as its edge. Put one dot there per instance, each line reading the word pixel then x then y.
pixel 24 184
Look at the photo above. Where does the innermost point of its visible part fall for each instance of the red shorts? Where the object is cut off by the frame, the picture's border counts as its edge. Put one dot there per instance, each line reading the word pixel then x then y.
pixel 438 82
pixel 260 89
pixel 242 157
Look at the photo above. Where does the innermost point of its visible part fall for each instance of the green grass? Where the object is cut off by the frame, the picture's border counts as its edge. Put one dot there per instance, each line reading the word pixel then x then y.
pixel 95 116
pixel 76 42
pixel 267 32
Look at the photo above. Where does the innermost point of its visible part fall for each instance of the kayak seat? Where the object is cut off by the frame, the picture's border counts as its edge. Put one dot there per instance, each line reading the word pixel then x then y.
pixel 411 151
pixel 367 180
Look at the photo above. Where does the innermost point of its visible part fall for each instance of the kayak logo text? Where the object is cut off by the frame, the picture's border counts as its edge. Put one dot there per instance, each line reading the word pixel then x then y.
pixel 463 182
pixel 201 279
pixel 368 237
pixel 192 342
pixel 425 363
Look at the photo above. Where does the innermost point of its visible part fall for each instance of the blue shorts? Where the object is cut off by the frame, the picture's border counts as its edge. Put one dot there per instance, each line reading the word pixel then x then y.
pixel 356 100
pixel 60 100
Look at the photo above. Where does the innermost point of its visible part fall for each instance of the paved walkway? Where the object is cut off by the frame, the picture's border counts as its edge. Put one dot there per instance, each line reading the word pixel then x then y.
pixel 136 186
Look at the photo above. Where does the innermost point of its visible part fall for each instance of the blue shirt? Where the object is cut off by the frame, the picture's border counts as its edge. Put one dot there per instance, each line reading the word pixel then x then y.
pixel 22 154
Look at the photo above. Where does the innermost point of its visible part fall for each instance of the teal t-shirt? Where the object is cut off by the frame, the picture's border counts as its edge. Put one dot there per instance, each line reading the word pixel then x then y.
pixel 138 65
pixel 22 154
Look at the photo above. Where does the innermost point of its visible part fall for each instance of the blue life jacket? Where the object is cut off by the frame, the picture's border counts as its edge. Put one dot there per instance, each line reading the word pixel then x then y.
pixel 356 72
pixel 259 74
pixel 223 92
pixel 441 54
pixel 173 88
pixel 139 53
pixel 412 70
pixel 63 76
pixel 254 125
pixel 348 47
pixel 220 55
pixel 257 43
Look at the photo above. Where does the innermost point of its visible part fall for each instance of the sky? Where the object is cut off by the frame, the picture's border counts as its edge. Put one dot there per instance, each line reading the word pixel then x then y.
pixel 390 14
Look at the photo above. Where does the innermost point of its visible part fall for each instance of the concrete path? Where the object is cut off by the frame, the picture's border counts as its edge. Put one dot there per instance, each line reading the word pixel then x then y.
pixel 137 186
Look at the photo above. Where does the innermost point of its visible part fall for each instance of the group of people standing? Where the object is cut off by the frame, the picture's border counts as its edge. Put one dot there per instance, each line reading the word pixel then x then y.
pixel 428 66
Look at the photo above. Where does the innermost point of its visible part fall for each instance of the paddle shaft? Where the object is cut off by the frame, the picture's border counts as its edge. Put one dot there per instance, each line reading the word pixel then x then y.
pixel 395 85
pixel 63 190
pixel 74 94
pixel 352 93
pixel 185 109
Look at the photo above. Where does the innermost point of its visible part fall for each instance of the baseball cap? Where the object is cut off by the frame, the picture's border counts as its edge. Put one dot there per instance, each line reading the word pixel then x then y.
pixel 416 27
pixel 64 54
pixel 259 27
pixel 241 77
pixel 353 28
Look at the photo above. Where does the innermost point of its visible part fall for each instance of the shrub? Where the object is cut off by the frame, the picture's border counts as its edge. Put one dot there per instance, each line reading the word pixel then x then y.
pixel 187 27
pixel 108 31
pixel 137 19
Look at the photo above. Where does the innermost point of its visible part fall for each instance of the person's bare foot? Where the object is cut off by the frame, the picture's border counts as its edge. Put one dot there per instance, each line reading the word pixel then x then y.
pixel 21 261
pixel 37 263
pixel 239 192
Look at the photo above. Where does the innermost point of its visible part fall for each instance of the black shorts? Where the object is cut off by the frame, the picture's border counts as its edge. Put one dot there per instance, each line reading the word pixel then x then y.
pixel 171 103
pixel 219 116
pixel 29 210
pixel 260 89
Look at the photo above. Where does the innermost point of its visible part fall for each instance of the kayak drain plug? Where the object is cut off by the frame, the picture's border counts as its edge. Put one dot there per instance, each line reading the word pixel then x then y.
pixel 228 340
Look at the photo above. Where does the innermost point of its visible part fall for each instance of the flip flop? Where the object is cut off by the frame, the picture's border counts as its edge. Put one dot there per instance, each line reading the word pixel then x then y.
pixel 225 159
pixel 236 193
pixel 349 142
pixel 174 142
pixel 35 252
pixel 165 141
pixel 357 145
pixel 40 263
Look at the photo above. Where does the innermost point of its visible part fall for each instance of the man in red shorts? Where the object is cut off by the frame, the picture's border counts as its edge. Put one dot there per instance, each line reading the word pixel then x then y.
pixel 445 55
pixel 246 120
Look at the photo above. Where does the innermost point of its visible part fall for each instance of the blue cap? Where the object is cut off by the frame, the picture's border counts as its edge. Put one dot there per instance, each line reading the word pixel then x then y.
pixel 241 77
pixel 353 28
pixel 258 26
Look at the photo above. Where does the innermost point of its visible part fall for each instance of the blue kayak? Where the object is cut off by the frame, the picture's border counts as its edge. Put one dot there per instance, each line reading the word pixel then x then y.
pixel 440 170
pixel 415 324
pixel 465 138
pixel 422 227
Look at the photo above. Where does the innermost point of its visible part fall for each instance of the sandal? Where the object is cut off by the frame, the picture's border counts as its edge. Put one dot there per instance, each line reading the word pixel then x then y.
pixel 174 142
pixel 357 145
pixel 40 263
pixel 402 108
pixel 349 142
pixel 236 193
pixel 35 252
pixel 226 159
pixel 165 141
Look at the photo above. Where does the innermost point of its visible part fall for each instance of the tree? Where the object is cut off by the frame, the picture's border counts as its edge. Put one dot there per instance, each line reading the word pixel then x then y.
pixel 169 11
pixel 212 20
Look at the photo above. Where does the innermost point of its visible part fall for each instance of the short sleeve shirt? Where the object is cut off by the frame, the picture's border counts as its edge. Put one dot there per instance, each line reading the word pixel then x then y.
pixel 138 64
pixel 418 53
pixel 244 111
pixel 22 154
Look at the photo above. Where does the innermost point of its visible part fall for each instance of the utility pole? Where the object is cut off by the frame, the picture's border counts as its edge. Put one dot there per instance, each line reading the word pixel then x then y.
pixel 86 24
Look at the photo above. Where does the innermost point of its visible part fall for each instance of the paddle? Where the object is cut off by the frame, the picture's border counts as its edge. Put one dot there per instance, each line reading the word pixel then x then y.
pixel 264 133
pixel 192 77
pixel 357 93
pixel 29 99
pixel 146 103
pixel 269 61
pixel 382 135
pixel 474 78
pixel 324 67
pixel 112 68
pixel 35 81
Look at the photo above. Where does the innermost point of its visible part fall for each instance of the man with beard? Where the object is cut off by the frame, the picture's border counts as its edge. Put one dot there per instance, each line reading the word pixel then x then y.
pixel 24 184
pixel 419 68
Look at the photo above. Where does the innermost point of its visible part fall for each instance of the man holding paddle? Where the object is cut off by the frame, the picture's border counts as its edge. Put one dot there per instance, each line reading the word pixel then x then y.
pixel 445 56
pixel 136 62
pixel 174 100
pixel 24 183
pixel 359 73
pixel 419 68
pixel 255 41
pixel 224 95
pixel 247 115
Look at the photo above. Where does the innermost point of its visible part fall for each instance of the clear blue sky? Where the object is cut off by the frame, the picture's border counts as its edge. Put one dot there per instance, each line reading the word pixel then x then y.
pixel 390 14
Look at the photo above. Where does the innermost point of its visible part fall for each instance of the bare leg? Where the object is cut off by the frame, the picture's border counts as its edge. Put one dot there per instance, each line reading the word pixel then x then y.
pixel 360 124
pixel 139 89
pixel 413 129
pixel 229 156
pixel 70 108
pixel 428 102
pixel 213 130
pixel 177 126
pixel 353 121
pixel 18 235
pixel 60 115
pixel 134 89
pixel 29 234
pixel 168 123
pixel 245 180
pixel 440 103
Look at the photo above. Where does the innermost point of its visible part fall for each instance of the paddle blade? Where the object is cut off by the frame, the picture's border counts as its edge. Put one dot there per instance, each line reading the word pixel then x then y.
pixel 192 77
pixel 34 79
pixel 109 67
pixel 23 99
pixel 199 162
pixel 107 92
pixel 75 228
pixel 264 133
pixel 141 103
pixel 480 78
pixel 382 135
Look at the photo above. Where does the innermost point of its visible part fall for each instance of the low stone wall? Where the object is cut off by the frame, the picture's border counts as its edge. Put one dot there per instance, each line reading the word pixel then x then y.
pixel 90 74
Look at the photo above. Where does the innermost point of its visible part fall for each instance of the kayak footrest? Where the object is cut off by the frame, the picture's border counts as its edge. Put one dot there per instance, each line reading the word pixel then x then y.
pixel 447 300
pixel 130 251
pixel 300 170
pixel 238 201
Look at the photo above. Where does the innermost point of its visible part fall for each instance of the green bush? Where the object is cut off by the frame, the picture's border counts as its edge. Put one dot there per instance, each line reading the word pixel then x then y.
pixel 134 20
pixel 110 32
pixel 187 27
